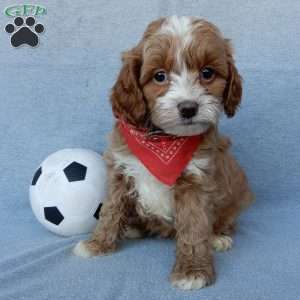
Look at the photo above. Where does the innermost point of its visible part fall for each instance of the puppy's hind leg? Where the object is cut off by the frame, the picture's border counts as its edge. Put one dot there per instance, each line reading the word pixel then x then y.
pixel 224 227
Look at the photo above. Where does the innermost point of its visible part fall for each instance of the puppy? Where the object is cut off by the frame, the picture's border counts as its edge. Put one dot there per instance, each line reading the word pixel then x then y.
pixel 170 173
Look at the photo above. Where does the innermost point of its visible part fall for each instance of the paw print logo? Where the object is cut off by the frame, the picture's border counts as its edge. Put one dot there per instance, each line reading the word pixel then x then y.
pixel 24 33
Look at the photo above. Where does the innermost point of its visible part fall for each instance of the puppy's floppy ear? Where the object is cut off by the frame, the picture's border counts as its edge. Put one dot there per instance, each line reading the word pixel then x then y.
pixel 233 91
pixel 127 98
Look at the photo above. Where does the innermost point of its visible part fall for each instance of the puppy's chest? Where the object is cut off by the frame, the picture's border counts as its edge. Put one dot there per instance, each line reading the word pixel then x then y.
pixel 155 197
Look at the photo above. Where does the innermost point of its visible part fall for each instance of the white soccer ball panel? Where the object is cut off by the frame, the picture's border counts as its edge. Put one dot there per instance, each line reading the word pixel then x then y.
pixel 69 189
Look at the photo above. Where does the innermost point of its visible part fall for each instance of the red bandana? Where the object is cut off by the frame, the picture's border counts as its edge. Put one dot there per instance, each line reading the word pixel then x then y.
pixel 165 156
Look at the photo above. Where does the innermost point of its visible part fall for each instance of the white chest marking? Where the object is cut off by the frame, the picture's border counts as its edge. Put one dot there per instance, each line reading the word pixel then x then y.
pixel 155 197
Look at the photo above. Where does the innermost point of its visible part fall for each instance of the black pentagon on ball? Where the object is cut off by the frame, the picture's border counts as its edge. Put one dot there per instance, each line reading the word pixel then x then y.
pixel 53 215
pixel 75 171
pixel 36 176
pixel 96 214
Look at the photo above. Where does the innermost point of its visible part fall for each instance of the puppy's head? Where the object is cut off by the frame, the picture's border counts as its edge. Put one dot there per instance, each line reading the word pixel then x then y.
pixel 180 77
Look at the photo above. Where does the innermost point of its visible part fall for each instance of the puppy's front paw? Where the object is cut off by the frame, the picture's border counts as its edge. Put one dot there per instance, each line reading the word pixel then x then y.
pixel 190 282
pixel 87 249
pixel 82 250
pixel 193 281
pixel 221 242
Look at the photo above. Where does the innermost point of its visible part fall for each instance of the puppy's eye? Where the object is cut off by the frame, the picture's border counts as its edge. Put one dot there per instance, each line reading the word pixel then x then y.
pixel 207 74
pixel 160 77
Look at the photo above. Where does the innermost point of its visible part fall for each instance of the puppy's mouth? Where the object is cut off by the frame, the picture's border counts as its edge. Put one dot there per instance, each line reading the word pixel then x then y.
pixel 187 122
pixel 184 128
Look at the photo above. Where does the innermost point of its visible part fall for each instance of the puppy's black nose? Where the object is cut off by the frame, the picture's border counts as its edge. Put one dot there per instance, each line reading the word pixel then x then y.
pixel 188 109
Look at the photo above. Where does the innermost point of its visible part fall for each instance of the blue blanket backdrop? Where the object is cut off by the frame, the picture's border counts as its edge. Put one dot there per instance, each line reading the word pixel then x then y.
pixel 56 96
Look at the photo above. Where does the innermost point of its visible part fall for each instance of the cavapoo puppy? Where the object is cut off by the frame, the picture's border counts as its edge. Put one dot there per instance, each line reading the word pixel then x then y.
pixel 170 172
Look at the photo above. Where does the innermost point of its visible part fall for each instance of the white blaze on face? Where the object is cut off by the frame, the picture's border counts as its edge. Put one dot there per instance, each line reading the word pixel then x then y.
pixel 184 86
pixel 180 27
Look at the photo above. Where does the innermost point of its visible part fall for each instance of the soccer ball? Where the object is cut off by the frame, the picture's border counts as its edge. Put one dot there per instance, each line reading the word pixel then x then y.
pixel 67 191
